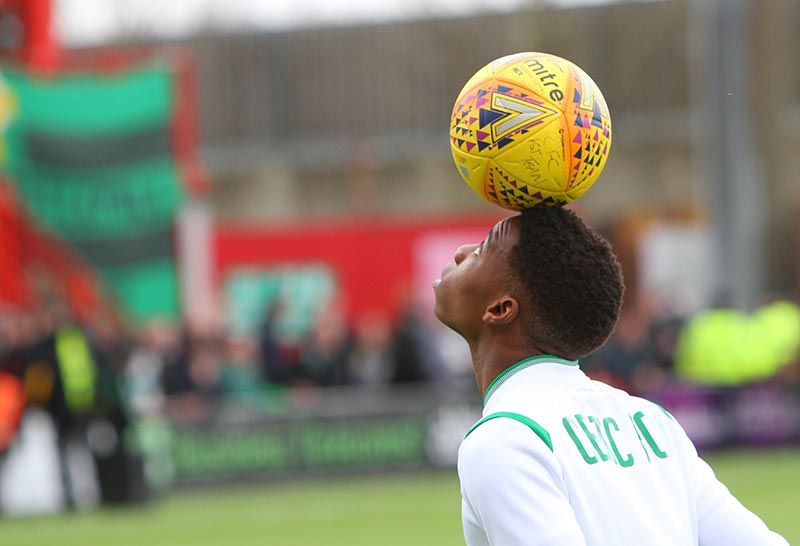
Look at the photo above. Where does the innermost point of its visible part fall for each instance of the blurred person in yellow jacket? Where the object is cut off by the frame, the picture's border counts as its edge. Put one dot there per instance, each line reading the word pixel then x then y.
pixel 778 323
pixel 61 377
pixel 727 347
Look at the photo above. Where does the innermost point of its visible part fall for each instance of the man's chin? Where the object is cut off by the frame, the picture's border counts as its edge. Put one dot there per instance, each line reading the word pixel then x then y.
pixel 439 308
pixel 441 315
pixel 437 312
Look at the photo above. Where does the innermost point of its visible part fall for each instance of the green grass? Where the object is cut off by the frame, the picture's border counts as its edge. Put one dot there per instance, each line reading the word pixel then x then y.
pixel 768 483
pixel 421 509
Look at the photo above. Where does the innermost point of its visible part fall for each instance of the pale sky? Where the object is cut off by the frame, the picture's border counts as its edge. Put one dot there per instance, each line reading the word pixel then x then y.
pixel 92 22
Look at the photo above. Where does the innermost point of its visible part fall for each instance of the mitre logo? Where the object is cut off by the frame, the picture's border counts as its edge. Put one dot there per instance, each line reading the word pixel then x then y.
pixel 547 78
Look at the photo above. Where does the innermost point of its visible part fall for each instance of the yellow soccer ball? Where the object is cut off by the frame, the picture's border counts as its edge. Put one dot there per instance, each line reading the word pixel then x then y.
pixel 530 129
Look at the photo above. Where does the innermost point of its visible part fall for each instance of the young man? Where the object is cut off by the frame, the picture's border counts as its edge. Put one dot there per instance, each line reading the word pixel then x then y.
pixel 559 459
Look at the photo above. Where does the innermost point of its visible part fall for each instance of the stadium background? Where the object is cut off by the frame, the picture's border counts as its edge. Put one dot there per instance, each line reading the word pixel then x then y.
pixel 234 226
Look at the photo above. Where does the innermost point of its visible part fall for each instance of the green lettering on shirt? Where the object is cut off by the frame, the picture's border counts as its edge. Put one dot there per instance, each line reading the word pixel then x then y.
pixel 582 450
pixel 600 436
pixel 593 438
pixel 608 422
pixel 638 419
pixel 596 422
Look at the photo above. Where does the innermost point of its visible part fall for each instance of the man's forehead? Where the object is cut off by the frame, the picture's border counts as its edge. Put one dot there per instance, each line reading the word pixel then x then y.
pixel 505 230
pixel 507 225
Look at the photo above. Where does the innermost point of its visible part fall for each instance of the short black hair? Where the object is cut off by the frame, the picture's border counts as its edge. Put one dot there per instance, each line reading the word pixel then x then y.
pixel 570 280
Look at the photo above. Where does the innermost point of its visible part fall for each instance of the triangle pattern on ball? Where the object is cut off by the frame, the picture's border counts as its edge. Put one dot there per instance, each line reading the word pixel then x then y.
pixel 597 116
pixel 504 142
pixel 488 116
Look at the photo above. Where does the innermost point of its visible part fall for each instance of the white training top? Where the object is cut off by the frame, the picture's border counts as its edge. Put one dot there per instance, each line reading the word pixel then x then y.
pixel 561 460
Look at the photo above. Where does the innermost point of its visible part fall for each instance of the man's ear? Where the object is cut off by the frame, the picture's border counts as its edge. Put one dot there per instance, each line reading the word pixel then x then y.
pixel 501 311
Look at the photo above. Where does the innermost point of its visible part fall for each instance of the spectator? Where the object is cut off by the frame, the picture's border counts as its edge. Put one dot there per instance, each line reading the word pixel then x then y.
pixel 240 377
pixel 416 356
pixel 176 349
pixel 618 361
pixel 275 367
pixel 324 360
pixel 371 362
pixel 64 366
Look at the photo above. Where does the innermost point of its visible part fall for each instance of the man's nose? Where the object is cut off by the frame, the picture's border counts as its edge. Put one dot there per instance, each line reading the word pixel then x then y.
pixel 462 252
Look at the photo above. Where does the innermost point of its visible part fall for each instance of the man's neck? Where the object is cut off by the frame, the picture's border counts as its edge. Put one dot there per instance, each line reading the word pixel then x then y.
pixel 491 359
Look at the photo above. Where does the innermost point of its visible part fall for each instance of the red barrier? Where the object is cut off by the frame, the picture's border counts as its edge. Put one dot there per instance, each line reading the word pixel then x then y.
pixel 372 258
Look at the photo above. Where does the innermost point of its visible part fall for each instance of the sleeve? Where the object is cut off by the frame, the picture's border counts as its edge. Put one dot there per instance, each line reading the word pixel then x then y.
pixel 721 519
pixel 512 488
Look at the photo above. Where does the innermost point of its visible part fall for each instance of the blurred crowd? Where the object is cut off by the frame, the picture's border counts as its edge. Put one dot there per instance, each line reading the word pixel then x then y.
pixel 82 373
pixel 71 368
pixel 651 345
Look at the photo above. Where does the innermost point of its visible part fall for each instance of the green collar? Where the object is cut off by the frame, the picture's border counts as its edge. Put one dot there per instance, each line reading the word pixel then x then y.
pixel 521 365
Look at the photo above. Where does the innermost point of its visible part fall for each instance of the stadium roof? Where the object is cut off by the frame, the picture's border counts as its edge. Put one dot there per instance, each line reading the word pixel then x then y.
pixel 95 22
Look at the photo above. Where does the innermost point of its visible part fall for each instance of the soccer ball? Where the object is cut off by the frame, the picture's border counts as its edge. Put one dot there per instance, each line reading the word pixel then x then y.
pixel 530 129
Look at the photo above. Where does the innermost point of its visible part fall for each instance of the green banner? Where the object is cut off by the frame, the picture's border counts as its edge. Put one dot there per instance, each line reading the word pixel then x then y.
pixel 91 155
pixel 299 446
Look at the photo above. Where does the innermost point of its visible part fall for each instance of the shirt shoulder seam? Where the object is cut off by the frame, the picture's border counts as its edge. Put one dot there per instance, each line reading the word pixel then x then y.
pixel 538 429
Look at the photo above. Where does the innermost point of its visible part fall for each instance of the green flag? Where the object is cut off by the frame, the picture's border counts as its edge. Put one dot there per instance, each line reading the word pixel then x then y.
pixel 91 154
